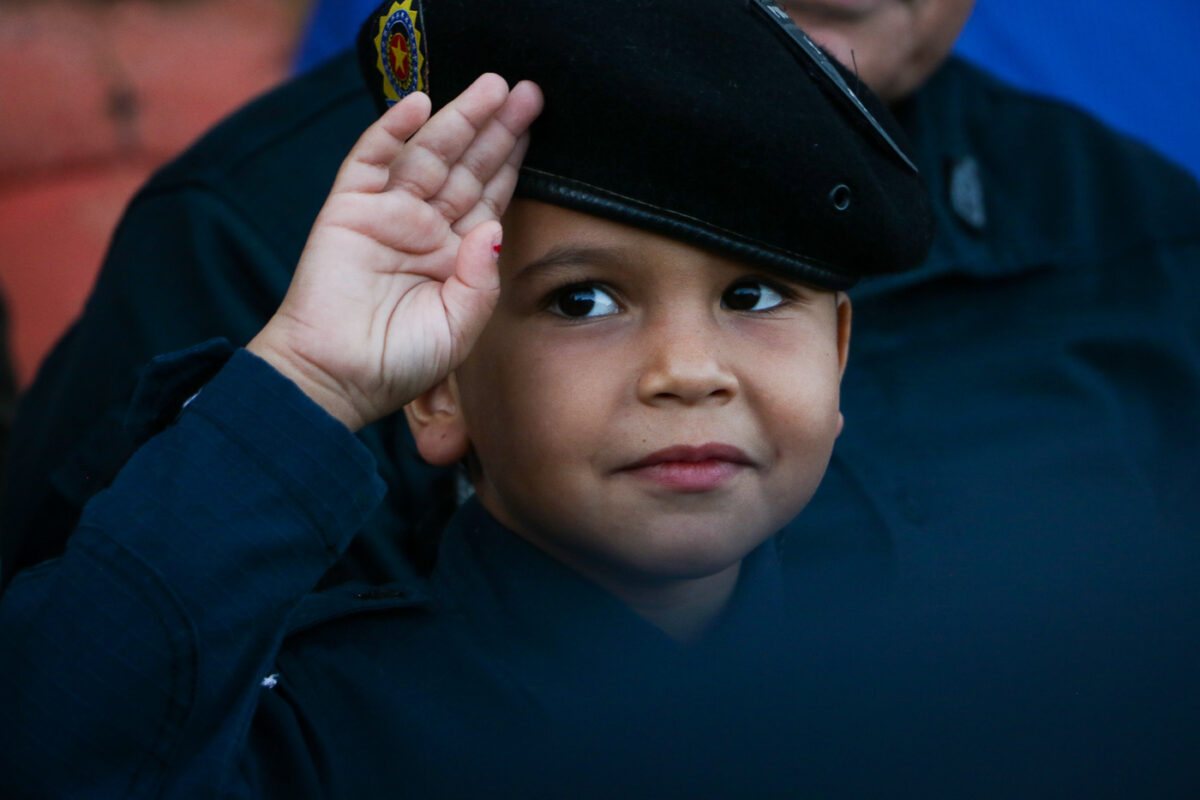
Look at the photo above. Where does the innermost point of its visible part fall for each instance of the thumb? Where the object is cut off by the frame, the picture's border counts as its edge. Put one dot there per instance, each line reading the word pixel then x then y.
pixel 470 295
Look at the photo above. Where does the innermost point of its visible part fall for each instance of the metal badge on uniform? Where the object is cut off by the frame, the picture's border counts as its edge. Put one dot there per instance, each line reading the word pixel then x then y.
pixel 965 184
pixel 401 48
pixel 792 33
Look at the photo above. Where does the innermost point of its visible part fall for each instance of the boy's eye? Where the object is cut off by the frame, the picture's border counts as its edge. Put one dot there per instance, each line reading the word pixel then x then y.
pixel 583 300
pixel 751 295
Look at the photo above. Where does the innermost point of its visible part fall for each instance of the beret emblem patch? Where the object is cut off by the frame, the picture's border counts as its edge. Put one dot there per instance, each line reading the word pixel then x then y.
pixel 401 52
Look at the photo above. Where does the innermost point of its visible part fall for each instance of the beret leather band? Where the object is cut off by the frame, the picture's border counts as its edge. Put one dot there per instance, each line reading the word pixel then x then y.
pixel 715 122
pixel 600 202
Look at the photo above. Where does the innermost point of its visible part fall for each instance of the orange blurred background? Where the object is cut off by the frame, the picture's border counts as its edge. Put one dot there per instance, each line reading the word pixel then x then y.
pixel 93 97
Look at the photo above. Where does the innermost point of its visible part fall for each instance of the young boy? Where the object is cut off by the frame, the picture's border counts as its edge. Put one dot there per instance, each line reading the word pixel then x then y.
pixel 642 381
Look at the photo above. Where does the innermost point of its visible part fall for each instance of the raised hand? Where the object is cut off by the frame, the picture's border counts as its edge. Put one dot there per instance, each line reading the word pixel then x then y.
pixel 398 276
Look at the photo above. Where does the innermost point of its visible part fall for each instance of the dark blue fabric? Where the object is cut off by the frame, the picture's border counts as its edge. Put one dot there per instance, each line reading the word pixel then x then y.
pixel 174 651
pixel 146 661
pixel 131 662
pixel 1035 377
pixel 518 678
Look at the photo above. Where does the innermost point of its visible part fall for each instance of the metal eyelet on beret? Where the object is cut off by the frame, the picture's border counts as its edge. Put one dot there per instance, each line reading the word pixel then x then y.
pixel 840 197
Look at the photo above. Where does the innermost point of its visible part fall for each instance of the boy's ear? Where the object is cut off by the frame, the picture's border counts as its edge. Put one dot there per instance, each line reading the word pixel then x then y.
pixel 843 331
pixel 436 421
pixel 843 343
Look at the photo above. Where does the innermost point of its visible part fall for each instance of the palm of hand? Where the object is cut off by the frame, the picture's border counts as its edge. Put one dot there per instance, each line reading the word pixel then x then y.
pixel 398 276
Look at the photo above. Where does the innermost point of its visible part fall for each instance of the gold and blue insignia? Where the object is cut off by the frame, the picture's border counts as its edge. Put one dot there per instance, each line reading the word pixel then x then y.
pixel 401 48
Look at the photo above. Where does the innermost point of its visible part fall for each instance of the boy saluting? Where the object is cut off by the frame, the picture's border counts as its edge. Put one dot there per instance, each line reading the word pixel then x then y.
pixel 641 378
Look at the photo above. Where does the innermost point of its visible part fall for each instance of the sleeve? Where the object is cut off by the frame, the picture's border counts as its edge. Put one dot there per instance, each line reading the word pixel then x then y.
pixel 132 663
pixel 187 263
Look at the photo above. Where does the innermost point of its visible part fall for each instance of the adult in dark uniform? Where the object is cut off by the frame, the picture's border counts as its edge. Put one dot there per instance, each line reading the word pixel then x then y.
pixel 1041 372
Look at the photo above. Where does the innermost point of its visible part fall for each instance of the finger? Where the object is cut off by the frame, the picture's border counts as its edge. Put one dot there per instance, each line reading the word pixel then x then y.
pixel 422 168
pixel 467 179
pixel 367 167
pixel 395 220
pixel 497 194
pixel 488 153
pixel 470 295
pixel 524 104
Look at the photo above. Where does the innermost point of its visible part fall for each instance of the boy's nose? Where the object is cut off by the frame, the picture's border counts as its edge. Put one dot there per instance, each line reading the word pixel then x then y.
pixel 682 363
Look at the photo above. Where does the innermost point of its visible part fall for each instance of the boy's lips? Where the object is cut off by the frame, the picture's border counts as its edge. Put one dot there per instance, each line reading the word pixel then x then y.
pixel 691 468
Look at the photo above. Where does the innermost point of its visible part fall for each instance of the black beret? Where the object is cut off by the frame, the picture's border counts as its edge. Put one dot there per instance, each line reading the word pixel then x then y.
pixel 716 122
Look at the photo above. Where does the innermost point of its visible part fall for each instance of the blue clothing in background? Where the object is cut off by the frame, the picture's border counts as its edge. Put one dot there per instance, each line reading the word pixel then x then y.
pixel 1135 67
pixel 331 29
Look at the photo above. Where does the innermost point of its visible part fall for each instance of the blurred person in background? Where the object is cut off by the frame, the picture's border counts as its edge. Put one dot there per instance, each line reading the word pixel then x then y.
pixel 1098 55
pixel 1060 394
pixel 144 79
pixel 1063 50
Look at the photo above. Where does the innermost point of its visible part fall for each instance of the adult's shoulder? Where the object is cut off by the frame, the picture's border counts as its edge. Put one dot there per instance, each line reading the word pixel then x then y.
pixel 970 101
pixel 206 249
pixel 274 160
pixel 1050 175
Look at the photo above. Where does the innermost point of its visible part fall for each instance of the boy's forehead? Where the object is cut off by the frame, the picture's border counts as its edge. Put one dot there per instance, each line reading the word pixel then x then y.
pixel 711 122
pixel 545 241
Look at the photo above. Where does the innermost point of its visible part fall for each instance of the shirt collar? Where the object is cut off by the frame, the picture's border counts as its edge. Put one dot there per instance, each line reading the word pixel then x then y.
pixel 540 612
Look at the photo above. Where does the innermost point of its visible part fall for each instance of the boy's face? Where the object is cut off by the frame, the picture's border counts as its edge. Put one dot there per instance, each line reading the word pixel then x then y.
pixel 641 409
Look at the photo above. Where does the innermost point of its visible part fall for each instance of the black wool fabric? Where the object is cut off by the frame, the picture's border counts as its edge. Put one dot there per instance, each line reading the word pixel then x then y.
pixel 698 119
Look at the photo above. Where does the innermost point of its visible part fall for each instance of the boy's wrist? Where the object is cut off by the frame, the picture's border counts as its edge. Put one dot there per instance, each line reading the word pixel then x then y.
pixel 316 383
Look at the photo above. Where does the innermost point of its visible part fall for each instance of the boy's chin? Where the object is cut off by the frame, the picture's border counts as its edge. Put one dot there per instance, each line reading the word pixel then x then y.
pixel 651 548
pixel 689 555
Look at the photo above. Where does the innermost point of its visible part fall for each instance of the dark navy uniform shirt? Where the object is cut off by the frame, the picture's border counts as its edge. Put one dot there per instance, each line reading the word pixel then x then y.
pixel 1040 374
pixel 175 650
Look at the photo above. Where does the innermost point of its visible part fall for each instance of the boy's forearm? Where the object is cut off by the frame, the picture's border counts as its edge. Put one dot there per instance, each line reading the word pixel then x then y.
pixel 132 664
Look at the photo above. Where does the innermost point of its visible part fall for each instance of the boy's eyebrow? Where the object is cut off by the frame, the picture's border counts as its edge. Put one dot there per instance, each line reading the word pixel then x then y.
pixel 571 256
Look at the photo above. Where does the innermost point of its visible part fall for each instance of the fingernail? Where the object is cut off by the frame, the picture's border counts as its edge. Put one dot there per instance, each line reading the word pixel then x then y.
pixel 496 244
